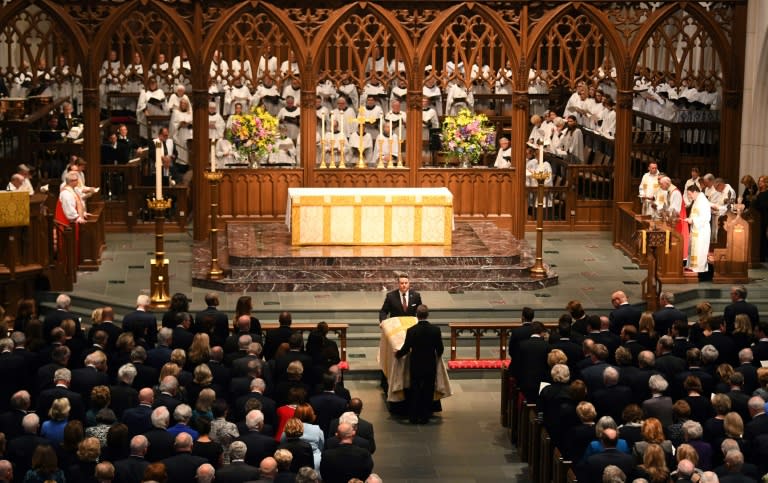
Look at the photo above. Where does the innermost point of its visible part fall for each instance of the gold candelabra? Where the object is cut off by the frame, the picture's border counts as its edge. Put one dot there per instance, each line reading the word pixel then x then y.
pixel 538 269
pixel 322 154
pixel 160 285
pixel 214 177
pixel 342 161
pixel 400 153
pixel 391 141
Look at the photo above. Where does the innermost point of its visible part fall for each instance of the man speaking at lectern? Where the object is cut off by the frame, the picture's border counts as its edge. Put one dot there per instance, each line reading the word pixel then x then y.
pixel 400 302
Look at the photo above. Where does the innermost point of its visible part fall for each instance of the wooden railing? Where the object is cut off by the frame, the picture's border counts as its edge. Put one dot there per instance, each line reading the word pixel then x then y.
pixel 340 330
pixel 626 224
pixel 498 332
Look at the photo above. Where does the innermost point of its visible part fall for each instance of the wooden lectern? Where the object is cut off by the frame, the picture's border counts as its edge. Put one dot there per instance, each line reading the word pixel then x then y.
pixel 732 262
pixel 651 240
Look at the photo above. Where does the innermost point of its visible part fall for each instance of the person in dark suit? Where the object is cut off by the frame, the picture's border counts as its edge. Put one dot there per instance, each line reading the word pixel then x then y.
pixel 92 375
pixel 565 343
pixel 62 378
pixel 160 441
pixel 268 406
pixel 760 348
pixel 168 397
pixel 531 368
pixel 727 352
pixel 519 334
pixel 161 354
pixel 400 302
pixel 242 327
pixel 295 353
pixel 10 421
pixel 238 471
pixel 212 320
pixel 109 150
pixel 182 466
pixel 424 344
pixel 327 404
pixel 667 314
pixel 759 423
pixel 13 369
pixel 139 418
pixel 259 445
pixel 347 461
pixel 275 337
pixel 21 449
pixel 222 375
pixel 142 323
pixel 131 469
pixel 592 470
pixel 59 360
pixel 107 324
pixel 738 306
pixel 146 375
pixel 623 313
pixel 667 363
pixel 126 147
pixel 363 429
pixel 56 317
pixel 182 334
pixel 123 394
pixel 611 399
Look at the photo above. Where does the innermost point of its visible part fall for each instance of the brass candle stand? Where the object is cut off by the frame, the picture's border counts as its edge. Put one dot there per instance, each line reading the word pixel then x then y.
pixel 400 153
pixel 538 270
pixel 214 177
pixel 160 285
pixel 391 164
pixel 322 154
pixel 380 165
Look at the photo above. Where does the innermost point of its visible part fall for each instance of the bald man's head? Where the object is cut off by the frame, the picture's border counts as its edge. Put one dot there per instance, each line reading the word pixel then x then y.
pixel 268 467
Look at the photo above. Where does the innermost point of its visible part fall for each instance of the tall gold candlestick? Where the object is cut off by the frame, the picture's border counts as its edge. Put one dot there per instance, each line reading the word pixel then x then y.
pixel 380 165
pixel 391 142
pixel 322 153
pixel 400 153
pixel 342 161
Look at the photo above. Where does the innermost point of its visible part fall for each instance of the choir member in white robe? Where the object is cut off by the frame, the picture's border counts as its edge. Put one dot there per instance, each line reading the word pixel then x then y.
pixel 504 154
pixel 268 95
pixel 62 79
pixel 321 113
pixel 151 103
pixel 326 90
pixel 343 111
pixel 162 71
pixel 181 68
pixel 432 92
pixel 699 219
pixel 348 90
pixel 376 62
pixel 110 77
pixel 336 144
pixel 181 132
pixel 237 92
pixel 226 155
pixel 179 93
pixel 458 98
pixel 532 166
pixel 372 112
pixel 503 86
pixel 241 69
pixel 720 199
pixel 693 180
pixel 548 125
pixel 237 111
pixel 215 122
pixel 218 71
pixel 267 64
pixel 398 118
pixel 293 89
pixel 398 93
pixel 285 151
pixel 649 184
pixel 608 121
pixel 537 131
pixel 289 67
pixel 374 88
pixel 134 75
pixel 289 118
pixel 429 121
pixel 573 141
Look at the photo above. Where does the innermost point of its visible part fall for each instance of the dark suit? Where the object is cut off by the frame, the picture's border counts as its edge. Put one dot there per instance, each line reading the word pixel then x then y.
pixel 221 374
pixel 143 325
pixel 740 307
pixel 259 446
pixel 364 430
pixel 595 464
pixel 611 401
pixel 125 149
pixel 13 369
pixel 622 315
pixel 85 379
pixel 531 369
pixel 669 365
pixel 45 377
pixel 182 338
pixel 123 397
pixel 659 408
pixel 424 344
pixel 572 351
pixel 166 400
pixel 10 423
pixel 333 442
pixel 112 331
pixel 347 461
pixel 281 366
pixel 757 426
pixel 20 451
pixel 182 467
pixel 237 472
pixel 160 444
pixel 750 377
pixel 516 336
pixel 727 352
pixel 327 406
pixel 109 154
pixel 268 408
pixel 138 419
pixel 130 469
pixel 217 321
pixel 393 304
pixel 301 451
pixel 760 352
pixel 46 398
pixel 55 318
pixel 665 317
pixel 158 356
pixel 274 338
pixel 146 376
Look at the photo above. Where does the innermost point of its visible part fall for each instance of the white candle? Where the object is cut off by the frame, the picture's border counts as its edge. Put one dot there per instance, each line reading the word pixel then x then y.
pixel 381 125
pixel 390 127
pixel 213 155
pixel 158 169
pixel 541 154
pixel 342 122
pixel 322 127
pixel 400 129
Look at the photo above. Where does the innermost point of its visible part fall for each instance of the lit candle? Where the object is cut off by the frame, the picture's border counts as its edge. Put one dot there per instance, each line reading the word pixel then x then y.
pixel 541 154
pixel 213 155
pixel 158 169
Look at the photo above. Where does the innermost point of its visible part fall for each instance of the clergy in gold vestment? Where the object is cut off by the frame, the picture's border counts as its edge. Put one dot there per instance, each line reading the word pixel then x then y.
pixel 699 219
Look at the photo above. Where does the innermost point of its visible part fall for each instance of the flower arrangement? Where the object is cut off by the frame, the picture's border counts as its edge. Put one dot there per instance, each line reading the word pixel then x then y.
pixel 467 136
pixel 253 133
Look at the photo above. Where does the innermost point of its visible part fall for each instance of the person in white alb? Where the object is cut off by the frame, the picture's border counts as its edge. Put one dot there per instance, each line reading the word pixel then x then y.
pixel 181 132
pixel 215 122
pixel 504 155
pixel 694 180
pixel 237 92
pixel 289 118
pixel 648 187
pixel 389 145
pixel 699 220
pixel 675 206
pixel 608 118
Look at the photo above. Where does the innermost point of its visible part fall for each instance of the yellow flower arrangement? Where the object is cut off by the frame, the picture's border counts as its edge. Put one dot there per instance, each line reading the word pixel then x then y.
pixel 467 135
pixel 255 132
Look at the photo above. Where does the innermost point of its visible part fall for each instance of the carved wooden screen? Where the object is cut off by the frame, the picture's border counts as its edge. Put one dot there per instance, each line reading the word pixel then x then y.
pixel 260 47
pixel 33 38
pixel 573 50
pixel 361 49
pixel 146 39
pixel 681 52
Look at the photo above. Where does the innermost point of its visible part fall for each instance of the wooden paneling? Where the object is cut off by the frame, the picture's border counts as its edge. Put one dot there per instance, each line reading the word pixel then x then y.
pixel 257 194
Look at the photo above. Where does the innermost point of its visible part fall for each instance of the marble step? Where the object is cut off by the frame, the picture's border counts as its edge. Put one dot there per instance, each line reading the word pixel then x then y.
pixel 351 262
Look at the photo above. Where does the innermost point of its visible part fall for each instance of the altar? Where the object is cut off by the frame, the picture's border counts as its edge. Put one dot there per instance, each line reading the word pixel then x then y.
pixel 369 216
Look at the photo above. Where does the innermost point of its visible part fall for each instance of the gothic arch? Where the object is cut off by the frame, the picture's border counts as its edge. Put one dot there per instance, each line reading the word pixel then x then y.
pixel 402 42
pixel 441 22
pixel 8 13
pixel 276 15
pixel 721 44
pixel 613 41
pixel 110 26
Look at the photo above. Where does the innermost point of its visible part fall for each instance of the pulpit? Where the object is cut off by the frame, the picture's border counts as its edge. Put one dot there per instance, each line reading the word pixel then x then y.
pixel 732 262
pixel 651 240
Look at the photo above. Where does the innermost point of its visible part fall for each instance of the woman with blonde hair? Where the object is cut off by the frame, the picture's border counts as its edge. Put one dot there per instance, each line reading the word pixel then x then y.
pixel 646 335
pixel 204 405
pixel 654 467
pixel 700 330
pixel 200 350
pixel 88 453
pixel 202 378
pixel 742 332
pixel 101 397
pixel 556 356
pixel 300 449
pixel 53 429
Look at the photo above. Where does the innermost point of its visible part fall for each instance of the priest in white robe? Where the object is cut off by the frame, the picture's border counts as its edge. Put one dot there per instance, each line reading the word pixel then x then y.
pixel 699 219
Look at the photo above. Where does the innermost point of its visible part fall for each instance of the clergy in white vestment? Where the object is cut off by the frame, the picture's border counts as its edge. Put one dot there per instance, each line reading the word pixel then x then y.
pixel 237 92
pixel 215 122
pixel 675 206
pixel 226 155
pixel 181 132
pixel 694 180
pixel 289 118
pixel 357 145
pixel 388 142
pixel 648 187
pixel 504 154
pixel 699 219
pixel 151 103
